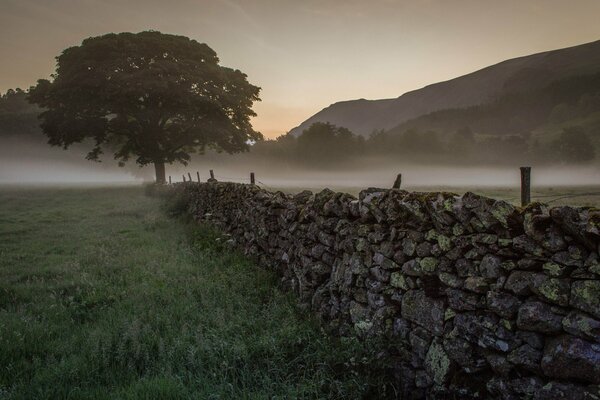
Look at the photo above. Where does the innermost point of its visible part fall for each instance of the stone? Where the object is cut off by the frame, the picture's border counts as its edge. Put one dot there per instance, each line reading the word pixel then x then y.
pixel 422 379
pixel 585 295
pixel 424 311
pixel 437 363
pixel 380 274
pixel 419 339
pixel 450 280
pixel 429 264
pixel 520 282
pixel 502 303
pixel 568 357
pixel 533 339
pixel 401 328
pixel 409 247
pixel 553 290
pixel 565 258
pixel 398 280
pixel 498 363
pixel 484 331
pixel 538 317
pixel 554 269
pixel 527 245
pixel 476 284
pixel 463 301
pixel 490 266
pixel 565 391
pixel 526 357
pixel 412 268
pixel 581 325
pixel 424 249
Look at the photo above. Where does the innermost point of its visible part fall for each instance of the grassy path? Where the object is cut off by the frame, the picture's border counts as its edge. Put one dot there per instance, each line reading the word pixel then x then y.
pixel 102 296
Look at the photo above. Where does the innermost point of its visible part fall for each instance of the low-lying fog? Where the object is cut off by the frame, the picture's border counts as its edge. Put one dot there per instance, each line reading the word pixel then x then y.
pixel 54 166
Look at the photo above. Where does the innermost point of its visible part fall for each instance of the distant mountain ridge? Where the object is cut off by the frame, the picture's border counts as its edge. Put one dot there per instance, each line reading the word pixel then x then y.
pixel 480 87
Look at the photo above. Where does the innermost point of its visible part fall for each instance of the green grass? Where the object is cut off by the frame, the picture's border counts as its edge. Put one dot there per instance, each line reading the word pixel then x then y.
pixel 103 296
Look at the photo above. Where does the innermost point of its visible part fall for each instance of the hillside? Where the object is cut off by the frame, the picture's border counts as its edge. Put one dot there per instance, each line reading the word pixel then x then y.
pixel 563 102
pixel 512 76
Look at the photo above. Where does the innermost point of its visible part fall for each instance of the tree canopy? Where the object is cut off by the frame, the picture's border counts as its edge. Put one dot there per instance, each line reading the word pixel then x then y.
pixel 152 96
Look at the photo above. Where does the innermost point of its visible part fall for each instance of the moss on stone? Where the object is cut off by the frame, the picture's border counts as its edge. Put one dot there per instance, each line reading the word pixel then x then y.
pixel 437 363
pixel 398 280
pixel 429 264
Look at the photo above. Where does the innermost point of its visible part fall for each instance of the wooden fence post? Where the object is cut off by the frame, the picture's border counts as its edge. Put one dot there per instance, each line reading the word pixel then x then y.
pixel 190 176
pixel 397 182
pixel 212 174
pixel 183 177
pixel 198 175
pixel 252 178
pixel 525 186
pixel 169 179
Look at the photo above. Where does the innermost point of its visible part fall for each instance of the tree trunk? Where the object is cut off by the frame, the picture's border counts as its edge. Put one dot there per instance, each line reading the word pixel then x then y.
pixel 159 168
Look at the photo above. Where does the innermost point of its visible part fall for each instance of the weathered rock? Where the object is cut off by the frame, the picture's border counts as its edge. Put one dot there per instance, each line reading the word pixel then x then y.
pixel 585 295
pixel 423 310
pixel 464 301
pixel 581 325
pixel 526 357
pixel 565 391
pixel 437 363
pixel 553 290
pixel 521 282
pixel 485 331
pixel 503 304
pixel 476 284
pixel 490 266
pixel 538 317
pixel 567 357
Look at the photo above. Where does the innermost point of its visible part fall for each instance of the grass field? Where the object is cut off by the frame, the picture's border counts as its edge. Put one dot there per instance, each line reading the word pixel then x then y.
pixel 579 196
pixel 103 296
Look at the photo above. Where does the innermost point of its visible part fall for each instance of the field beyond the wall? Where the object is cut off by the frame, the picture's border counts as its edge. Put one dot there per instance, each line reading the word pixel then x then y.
pixel 103 296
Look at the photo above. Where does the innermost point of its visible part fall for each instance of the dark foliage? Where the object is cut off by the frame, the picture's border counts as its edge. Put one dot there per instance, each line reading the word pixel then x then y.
pixel 152 96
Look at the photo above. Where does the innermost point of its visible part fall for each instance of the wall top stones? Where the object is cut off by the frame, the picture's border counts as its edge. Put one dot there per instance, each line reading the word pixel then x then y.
pixel 475 297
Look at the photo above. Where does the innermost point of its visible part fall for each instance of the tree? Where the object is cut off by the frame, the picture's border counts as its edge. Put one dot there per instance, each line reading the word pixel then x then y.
pixel 326 143
pixel 573 145
pixel 154 96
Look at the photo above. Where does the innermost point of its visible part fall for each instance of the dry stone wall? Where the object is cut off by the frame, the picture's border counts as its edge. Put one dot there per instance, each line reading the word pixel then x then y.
pixel 477 298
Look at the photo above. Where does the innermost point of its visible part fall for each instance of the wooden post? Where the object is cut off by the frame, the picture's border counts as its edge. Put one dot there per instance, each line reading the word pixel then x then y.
pixel 183 177
pixel 169 179
pixel 525 186
pixel 252 178
pixel 198 175
pixel 212 174
pixel 190 176
pixel 397 182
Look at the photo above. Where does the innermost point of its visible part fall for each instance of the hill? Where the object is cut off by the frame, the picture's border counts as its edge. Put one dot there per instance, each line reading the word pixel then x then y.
pixel 518 75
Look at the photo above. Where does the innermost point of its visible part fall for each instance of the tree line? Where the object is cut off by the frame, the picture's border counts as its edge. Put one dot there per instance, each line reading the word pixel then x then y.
pixel 324 144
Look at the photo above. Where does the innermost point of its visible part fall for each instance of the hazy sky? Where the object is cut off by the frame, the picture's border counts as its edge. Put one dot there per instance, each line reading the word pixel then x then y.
pixel 307 54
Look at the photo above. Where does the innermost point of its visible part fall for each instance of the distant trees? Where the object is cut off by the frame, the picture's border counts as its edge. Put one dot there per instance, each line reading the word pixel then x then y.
pixel 152 96
pixel 17 116
pixel 324 143
pixel 573 145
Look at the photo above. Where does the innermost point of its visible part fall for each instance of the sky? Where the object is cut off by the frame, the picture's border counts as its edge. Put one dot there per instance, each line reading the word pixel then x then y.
pixel 307 54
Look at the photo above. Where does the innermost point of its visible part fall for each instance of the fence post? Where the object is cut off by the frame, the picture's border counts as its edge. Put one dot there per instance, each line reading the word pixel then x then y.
pixel 190 176
pixel 397 182
pixel 212 174
pixel 525 186
pixel 252 178
pixel 183 177
pixel 198 175
pixel 169 179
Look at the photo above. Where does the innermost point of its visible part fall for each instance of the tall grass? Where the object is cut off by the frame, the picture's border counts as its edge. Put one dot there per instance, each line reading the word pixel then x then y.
pixel 103 296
